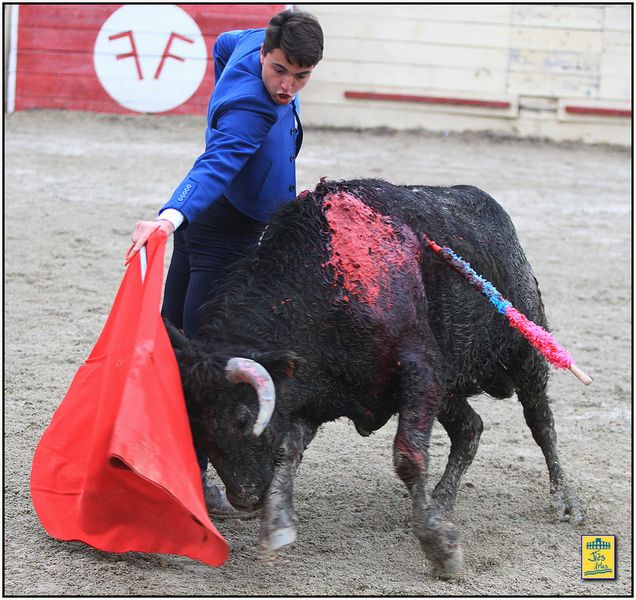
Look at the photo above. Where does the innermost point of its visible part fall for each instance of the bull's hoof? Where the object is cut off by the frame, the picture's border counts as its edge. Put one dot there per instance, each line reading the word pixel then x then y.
pixel 276 540
pixel 450 567
pixel 567 505
pixel 441 544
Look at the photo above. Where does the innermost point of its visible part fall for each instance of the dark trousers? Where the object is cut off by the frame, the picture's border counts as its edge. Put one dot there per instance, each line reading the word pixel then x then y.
pixel 202 253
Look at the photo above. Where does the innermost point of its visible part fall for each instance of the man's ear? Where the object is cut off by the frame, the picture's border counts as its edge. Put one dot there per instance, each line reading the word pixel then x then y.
pixel 262 53
pixel 281 364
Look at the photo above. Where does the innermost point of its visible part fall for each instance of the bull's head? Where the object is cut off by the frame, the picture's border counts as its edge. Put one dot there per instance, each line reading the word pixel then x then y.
pixel 234 417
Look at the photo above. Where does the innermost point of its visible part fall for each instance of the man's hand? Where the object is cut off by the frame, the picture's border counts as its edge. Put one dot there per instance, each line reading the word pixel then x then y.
pixel 143 230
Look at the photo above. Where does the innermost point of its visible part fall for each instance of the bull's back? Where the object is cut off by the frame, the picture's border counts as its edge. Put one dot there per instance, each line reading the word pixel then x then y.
pixel 474 337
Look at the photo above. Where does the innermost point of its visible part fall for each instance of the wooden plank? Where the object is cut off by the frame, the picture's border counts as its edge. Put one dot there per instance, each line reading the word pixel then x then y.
pixel 619 17
pixel 559 16
pixel 554 61
pixel 72 91
pixel 83 16
pixel 55 64
pixel 484 81
pixel 92 16
pixel 30 101
pixel 82 42
pixel 545 84
pixel 52 62
pixel 440 13
pixel 423 77
pixel 617 41
pixel 247 9
pixel 616 76
pixel 526 38
pixel 401 30
pixel 70 40
pixel 64 86
pixel 213 24
pixel 388 53
pixel 67 86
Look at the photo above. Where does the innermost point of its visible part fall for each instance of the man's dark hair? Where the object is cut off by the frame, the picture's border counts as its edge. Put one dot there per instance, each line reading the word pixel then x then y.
pixel 298 34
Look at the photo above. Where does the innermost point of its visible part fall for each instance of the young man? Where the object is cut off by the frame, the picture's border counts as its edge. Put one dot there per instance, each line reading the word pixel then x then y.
pixel 246 172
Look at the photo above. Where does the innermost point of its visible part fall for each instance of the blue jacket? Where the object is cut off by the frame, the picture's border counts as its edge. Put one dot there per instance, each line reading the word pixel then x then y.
pixel 250 141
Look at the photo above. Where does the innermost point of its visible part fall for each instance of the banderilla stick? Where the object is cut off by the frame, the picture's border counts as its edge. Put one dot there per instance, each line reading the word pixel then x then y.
pixel 543 341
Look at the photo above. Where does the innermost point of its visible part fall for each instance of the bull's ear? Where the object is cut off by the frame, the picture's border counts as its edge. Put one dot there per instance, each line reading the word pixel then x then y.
pixel 177 338
pixel 199 371
pixel 184 349
pixel 280 364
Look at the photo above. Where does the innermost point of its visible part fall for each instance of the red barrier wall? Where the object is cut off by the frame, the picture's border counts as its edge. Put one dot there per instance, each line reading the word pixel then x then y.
pixel 145 52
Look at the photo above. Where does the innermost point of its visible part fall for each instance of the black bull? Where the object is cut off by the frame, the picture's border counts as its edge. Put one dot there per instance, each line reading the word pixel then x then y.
pixel 346 313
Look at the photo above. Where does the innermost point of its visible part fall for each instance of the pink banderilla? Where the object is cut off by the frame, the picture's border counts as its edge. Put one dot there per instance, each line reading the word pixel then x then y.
pixel 535 334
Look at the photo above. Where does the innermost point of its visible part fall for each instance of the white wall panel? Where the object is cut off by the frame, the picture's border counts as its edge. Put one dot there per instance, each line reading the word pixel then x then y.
pixel 545 84
pixel 374 77
pixel 618 17
pixel 565 16
pixel 443 13
pixel 535 38
pixel 424 54
pixel 419 30
pixel 567 63
pixel 616 76
pixel 530 55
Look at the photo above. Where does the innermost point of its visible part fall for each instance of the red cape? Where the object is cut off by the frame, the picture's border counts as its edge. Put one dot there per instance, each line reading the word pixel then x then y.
pixel 116 467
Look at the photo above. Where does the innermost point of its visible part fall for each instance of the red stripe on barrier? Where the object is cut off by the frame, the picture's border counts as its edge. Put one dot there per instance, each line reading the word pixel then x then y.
pixel 600 112
pixel 427 99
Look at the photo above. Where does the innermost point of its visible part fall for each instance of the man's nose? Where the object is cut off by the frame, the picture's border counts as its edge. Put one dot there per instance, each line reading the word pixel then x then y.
pixel 287 84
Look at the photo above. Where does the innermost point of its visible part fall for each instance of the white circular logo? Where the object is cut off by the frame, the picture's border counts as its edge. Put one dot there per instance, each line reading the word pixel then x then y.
pixel 150 57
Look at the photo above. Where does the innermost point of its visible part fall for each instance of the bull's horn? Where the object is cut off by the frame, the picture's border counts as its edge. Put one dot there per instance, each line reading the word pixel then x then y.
pixel 244 370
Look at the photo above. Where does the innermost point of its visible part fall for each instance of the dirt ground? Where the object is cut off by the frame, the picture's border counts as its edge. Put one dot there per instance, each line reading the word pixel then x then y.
pixel 76 183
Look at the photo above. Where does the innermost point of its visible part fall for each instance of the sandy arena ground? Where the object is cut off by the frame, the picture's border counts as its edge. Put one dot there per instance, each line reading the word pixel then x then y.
pixel 74 186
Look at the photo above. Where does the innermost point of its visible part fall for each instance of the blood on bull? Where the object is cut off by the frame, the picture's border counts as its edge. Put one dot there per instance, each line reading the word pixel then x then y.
pixel 343 311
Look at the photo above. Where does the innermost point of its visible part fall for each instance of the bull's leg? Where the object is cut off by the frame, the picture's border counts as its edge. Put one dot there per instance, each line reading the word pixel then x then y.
pixel 419 397
pixel 278 520
pixel 464 427
pixel 531 378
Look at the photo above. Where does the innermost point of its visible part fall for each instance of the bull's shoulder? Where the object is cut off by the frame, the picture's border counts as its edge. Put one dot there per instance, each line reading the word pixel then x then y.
pixel 456 196
pixel 460 207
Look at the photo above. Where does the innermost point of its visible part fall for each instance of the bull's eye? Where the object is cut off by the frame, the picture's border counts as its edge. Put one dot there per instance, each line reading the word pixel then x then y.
pixel 243 420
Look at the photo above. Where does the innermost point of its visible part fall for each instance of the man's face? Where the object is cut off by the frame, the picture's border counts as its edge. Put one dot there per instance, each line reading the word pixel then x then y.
pixel 282 79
